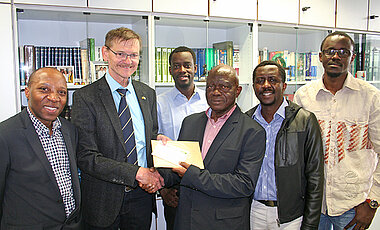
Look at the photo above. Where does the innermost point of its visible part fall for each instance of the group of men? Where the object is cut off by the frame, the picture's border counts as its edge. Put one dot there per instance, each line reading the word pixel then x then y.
pixel 307 164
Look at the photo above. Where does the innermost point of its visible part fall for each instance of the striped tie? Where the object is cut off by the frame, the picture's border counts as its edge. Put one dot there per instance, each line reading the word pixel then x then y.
pixel 127 128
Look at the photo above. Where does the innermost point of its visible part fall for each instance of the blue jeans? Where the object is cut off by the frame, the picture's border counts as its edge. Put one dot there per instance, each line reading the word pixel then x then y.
pixel 336 222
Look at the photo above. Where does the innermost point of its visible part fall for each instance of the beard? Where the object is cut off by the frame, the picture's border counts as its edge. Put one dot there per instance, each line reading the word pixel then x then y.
pixel 333 75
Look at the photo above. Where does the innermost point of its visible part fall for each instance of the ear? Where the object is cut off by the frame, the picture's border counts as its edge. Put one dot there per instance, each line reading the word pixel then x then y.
pixel 195 68
pixel 284 87
pixel 238 91
pixel 320 56
pixel 27 93
pixel 352 58
pixel 105 53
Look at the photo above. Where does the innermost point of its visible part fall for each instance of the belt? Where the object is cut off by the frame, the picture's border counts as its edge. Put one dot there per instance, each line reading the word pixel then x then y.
pixel 128 189
pixel 269 203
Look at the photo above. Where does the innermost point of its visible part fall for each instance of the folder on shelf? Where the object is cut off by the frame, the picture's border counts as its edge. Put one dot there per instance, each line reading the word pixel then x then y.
pixel 169 155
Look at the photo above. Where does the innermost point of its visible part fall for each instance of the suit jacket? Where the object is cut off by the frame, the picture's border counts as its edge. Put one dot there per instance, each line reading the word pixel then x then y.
pixel 101 150
pixel 29 194
pixel 218 197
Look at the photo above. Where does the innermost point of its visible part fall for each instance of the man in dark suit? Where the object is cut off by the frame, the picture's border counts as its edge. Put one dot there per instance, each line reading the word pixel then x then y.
pixel 39 184
pixel 111 196
pixel 218 197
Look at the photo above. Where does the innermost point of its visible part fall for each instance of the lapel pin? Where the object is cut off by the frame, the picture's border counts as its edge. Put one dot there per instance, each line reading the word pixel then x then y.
pixel 144 98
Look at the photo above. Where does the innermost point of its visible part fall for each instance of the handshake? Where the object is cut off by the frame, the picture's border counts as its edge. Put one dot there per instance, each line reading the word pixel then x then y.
pixel 149 179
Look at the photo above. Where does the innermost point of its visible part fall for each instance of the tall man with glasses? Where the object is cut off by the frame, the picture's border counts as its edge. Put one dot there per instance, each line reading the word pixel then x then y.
pixel 348 110
pixel 117 119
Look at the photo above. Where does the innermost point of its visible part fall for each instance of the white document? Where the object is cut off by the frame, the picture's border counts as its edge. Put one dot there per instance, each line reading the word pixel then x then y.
pixel 170 153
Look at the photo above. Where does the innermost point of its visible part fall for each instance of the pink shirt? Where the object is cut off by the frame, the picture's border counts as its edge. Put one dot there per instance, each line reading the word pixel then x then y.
pixel 213 128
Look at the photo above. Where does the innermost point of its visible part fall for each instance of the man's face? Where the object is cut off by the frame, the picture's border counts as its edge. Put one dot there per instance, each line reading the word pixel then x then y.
pixel 268 86
pixel 182 69
pixel 221 92
pixel 47 95
pixel 336 65
pixel 122 67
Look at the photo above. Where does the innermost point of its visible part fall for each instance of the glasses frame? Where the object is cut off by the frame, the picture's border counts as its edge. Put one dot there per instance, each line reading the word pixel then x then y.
pixel 122 56
pixel 337 51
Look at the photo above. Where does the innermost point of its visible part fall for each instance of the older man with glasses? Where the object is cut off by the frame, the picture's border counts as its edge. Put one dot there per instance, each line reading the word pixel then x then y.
pixel 348 111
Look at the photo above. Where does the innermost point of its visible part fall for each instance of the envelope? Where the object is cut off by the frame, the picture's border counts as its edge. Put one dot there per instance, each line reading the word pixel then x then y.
pixel 169 155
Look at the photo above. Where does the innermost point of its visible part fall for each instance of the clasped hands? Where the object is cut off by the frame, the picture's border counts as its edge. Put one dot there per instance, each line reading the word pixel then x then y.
pixel 151 181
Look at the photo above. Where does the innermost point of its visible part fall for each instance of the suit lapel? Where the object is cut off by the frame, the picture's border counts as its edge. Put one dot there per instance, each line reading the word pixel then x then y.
pixel 223 134
pixel 72 160
pixel 35 143
pixel 105 95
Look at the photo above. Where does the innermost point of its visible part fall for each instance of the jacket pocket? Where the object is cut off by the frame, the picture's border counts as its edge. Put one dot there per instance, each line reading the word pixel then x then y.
pixel 229 213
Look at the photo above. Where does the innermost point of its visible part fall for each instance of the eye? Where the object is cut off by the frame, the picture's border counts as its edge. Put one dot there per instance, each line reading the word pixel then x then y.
pixel 134 56
pixel 62 93
pixel 187 66
pixel 120 55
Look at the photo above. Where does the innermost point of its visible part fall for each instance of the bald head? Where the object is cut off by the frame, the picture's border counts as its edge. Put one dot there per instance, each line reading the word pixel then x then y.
pixel 225 70
pixel 35 76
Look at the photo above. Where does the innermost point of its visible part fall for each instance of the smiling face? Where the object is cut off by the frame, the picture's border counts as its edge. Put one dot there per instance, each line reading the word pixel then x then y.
pixel 222 89
pixel 182 68
pixel 268 86
pixel 119 66
pixel 335 65
pixel 47 95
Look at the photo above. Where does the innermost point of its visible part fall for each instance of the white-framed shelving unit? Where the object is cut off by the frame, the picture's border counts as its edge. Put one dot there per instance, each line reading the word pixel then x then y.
pixel 251 25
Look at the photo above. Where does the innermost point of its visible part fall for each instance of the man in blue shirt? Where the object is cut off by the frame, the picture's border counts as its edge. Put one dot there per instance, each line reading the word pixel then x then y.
pixel 173 106
pixel 289 190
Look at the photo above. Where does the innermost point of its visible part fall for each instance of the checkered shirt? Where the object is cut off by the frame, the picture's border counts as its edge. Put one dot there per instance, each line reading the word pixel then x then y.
pixel 55 150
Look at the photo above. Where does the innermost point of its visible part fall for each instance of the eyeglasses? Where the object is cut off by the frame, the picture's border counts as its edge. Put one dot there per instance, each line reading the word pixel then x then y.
pixel 121 55
pixel 343 53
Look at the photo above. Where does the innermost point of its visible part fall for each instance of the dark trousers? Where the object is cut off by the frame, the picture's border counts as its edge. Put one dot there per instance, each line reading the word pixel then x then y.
pixel 135 212
pixel 169 213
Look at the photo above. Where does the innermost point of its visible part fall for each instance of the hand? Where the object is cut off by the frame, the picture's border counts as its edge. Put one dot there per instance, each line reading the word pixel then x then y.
pixel 149 179
pixel 363 217
pixel 181 170
pixel 164 139
pixel 169 195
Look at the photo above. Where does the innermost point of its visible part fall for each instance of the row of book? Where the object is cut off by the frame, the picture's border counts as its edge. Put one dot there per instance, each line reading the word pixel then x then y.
pixel 206 59
pixel 298 66
pixel 78 64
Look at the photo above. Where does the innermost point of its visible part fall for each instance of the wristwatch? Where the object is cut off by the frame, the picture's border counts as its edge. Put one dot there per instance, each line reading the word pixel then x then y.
pixel 372 203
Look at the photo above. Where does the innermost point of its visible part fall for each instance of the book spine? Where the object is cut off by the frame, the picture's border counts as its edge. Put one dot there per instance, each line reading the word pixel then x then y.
pixel 158 65
pixel 92 49
pixel 21 63
pixel 29 61
pixel 236 59
pixel 164 58
pixel 170 79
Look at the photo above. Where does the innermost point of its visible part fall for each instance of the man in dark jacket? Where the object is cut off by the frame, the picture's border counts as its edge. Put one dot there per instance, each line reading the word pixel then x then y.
pixel 289 190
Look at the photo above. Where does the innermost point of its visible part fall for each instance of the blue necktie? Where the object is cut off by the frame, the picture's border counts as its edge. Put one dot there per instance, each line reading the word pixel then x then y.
pixel 127 128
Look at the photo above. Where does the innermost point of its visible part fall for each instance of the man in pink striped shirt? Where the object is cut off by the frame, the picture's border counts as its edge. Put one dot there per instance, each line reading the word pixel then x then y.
pixel 233 144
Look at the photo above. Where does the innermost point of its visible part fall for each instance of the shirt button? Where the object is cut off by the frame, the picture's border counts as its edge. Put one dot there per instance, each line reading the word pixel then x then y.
pixel 209 141
pixel 214 126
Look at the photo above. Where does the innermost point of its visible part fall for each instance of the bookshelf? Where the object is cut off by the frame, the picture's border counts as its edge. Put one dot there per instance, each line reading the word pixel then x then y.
pixel 171 32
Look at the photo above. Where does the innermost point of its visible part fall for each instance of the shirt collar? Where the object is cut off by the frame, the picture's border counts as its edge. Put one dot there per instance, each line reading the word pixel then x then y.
pixel 175 93
pixel 224 116
pixel 114 85
pixel 280 111
pixel 41 127
pixel 349 83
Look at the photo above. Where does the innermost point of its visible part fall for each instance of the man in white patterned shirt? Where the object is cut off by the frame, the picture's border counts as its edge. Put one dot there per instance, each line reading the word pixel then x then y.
pixel 39 184
pixel 348 111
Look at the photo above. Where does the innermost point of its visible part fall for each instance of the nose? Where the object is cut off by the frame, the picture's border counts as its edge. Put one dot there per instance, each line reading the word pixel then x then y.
pixel 54 97
pixel 335 56
pixel 266 83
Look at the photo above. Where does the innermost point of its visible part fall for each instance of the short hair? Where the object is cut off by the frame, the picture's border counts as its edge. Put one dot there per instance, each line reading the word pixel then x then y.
pixel 121 34
pixel 35 72
pixel 281 69
pixel 182 49
pixel 224 70
pixel 338 33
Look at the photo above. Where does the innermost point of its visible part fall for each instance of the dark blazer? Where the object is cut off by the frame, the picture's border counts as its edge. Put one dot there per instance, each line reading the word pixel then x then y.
pixel 29 194
pixel 218 197
pixel 101 151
